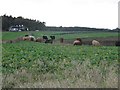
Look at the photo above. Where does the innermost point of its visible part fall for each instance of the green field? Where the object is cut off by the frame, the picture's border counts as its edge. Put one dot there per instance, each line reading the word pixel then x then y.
pixel 31 64
pixel 65 35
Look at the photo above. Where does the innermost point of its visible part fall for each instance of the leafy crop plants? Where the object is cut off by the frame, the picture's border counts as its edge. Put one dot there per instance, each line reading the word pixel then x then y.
pixel 29 64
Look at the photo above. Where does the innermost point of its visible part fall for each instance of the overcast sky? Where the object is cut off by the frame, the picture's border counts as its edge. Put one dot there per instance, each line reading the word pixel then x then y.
pixel 83 13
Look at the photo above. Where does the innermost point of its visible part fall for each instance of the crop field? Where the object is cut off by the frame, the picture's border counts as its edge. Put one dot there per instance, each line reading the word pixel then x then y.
pixel 28 64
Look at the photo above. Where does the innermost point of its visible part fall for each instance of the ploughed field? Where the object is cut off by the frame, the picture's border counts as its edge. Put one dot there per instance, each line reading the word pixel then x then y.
pixel 32 64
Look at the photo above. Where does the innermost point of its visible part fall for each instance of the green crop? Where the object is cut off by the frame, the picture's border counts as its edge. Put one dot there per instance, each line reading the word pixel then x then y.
pixel 52 58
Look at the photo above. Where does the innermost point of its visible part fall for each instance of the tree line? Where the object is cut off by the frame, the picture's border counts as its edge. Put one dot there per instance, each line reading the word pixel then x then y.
pixel 8 21
pixel 33 25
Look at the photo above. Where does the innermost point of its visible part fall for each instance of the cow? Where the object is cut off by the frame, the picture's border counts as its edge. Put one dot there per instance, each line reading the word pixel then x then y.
pixel 39 39
pixel 26 35
pixel 32 38
pixel 29 38
pixel 26 38
pixel 45 37
pixel 117 43
pixel 78 41
pixel 95 43
pixel 49 41
pixel 52 37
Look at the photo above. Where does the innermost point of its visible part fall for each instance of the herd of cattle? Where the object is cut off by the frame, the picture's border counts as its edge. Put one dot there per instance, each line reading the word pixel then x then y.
pixel 39 39
pixel 45 39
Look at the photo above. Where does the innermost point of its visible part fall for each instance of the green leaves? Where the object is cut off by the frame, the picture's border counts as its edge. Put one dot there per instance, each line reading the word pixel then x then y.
pixel 54 58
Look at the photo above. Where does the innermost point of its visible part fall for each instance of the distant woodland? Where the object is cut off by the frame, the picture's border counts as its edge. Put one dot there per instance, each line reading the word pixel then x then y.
pixel 33 25
pixel 8 21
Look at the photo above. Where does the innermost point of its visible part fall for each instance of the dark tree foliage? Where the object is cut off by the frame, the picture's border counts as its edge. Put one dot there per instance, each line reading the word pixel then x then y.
pixel 8 21
pixel 33 25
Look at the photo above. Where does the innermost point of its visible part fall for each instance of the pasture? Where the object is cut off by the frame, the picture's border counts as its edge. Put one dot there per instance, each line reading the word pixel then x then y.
pixel 65 34
pixel 32 64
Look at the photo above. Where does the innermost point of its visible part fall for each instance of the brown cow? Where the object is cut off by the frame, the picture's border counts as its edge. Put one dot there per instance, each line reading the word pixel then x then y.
pixel 29 38
pixel 26 38
pixel 39 39
pixel 78 41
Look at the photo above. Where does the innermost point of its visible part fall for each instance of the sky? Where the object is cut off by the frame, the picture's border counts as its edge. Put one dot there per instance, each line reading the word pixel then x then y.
pixel 66 13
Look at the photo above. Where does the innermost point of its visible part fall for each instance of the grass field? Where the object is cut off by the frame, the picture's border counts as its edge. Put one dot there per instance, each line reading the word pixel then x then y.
pixel 65 35
pixel 30 64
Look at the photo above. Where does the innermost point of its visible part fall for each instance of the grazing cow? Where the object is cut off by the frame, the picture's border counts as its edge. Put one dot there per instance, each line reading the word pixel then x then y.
pixel 32 38
pixel 78 41
pixel 49 41
pixel 52 37
pixel 95 43
pixel 45 37
pixel 26 38
pixel 26 35
pixel 39 39
pixel 117 43
pixel 29 38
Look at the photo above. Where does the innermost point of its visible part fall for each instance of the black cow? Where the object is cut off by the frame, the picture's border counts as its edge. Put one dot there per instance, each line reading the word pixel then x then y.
pixel 26 35
pixel 45 37
pixel 52 37
pixel 117 43
pixel 49 41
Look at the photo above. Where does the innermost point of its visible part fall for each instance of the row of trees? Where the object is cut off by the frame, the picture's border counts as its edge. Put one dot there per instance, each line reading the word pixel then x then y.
pixel 8 21
pixel 32 25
